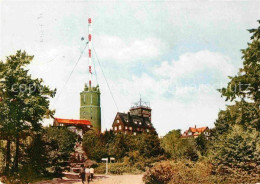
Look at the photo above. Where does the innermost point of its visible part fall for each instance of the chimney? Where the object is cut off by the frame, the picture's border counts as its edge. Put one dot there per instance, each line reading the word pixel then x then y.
pixel 128 116
pixel 195 126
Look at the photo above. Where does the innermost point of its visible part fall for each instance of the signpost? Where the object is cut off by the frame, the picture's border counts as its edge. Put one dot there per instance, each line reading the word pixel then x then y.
pixel 112 159
pixel 106 159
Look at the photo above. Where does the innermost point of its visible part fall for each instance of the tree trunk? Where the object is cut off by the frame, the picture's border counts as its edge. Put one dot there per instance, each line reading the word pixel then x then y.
pixel 8 156
pixel 16 159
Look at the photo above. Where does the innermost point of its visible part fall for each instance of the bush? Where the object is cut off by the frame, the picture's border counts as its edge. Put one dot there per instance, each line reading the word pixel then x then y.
pixel 117 168
pixel 159 174
pixel 188 172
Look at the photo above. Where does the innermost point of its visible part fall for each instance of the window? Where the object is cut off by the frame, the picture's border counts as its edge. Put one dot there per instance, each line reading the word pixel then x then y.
pixel 125 132
pixel 130 128
pixel 147 130
pixel 115 127
pixel 138 129
pixel 189 133
pixel 126 127
pixel 119 128
pixel 117 121
pixel 140 123
pixel 135 122
pixel 134 133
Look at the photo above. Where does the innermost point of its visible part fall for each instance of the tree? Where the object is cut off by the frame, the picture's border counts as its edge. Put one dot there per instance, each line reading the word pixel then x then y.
pixel 93 145
pixel 170 143
pixel 119 146
pixel 246 84
pixel 62 142
pixel 178 148
pixel 240 150
pixel 149 145
pixel 202 144
pixel 24 102
pixel 236 137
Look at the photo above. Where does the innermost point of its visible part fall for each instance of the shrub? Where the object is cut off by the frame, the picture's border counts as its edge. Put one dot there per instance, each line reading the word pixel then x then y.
pixel 117 168
pixel 179 172
pixel 188 172
pixel 159 174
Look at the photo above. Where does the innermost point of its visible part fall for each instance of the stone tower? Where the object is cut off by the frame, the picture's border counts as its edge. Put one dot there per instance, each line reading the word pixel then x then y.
pixel 90 106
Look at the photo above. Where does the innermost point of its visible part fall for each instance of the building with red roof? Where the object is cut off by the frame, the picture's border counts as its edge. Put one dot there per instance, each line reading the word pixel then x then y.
pixel 77 126
pixel 195 132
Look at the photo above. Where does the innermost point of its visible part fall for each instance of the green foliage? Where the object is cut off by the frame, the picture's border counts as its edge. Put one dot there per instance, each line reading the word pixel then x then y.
pixel 170 143
pixel 2 155
pixel 118 147
pixel 24 103
pixel 117 168
pixel 187 172
pixel 94 146
pixel 177 147
pixel 159 174
pixel 202 144
pixel 62 140
pixel 238 149
pixel 146 145
pixel 44 152
pixel 246 84
pixel 35 159
pixel 235 142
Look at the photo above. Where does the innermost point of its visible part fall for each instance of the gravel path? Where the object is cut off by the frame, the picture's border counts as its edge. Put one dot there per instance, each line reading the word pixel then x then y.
pixel 101 179
pixel 116 179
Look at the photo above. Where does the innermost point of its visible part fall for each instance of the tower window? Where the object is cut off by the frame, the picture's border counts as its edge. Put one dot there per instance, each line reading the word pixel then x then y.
pixel 115 127
pixel 126 127
pixel 119 127
pixel 130 128
pixel 117 121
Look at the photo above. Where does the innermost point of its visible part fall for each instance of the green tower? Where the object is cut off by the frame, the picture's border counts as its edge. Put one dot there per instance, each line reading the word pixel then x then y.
pixel 90 106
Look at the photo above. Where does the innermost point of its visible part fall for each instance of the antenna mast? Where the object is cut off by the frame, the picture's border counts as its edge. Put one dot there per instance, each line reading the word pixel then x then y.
pixel 89 50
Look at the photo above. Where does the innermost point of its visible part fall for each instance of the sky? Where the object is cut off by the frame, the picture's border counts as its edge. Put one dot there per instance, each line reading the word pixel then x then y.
pixel 174 54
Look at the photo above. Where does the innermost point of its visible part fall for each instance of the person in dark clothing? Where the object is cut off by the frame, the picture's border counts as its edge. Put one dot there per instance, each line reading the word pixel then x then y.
pixel 82 174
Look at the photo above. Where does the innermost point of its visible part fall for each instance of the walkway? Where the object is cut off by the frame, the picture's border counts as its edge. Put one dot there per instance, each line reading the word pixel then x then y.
pixel 102 179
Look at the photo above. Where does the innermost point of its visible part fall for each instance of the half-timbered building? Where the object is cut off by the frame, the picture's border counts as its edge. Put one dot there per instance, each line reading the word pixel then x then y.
pixel 137 120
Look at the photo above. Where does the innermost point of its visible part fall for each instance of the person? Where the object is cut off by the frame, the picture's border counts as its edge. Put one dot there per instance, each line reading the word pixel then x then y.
pixel 87 171
pixel 91 173
pixel 82 174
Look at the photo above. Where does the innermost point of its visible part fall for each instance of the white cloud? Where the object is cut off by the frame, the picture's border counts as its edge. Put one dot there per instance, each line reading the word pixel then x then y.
pixel 186 105
pixel 190 64
pixel 128 50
